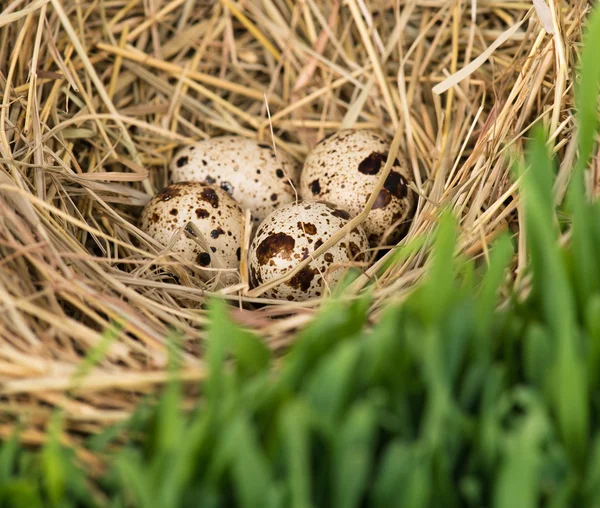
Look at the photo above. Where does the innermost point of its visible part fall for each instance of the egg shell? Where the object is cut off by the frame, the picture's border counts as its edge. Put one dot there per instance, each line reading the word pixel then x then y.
pixel 216 215
pixel 291 234
pixel 344 168
pixel 251 172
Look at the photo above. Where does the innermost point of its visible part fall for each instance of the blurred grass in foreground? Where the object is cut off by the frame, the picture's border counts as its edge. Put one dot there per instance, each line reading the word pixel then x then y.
pixel 447 402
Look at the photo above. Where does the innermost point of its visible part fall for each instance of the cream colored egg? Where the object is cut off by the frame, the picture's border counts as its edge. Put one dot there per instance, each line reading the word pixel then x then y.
pixel 217 217
pixel 291 234
pixel 250 172
pixel 344 168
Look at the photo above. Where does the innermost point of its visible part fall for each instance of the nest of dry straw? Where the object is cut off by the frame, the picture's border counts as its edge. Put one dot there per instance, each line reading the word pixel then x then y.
pixel 97 95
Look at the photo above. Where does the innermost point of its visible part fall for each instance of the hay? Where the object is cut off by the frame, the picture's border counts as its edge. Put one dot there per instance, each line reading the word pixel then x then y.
pixel 97 95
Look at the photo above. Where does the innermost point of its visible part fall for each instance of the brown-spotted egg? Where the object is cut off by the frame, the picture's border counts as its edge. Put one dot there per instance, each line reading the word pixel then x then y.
pixel 217 217
pixel 250 172
pixel 344 168
pixel 293 233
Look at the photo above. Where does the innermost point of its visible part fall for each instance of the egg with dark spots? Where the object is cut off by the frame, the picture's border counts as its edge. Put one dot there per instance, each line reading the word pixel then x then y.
pixel 259 178
pixel 344 169
pixel 210 209
pixel 292 234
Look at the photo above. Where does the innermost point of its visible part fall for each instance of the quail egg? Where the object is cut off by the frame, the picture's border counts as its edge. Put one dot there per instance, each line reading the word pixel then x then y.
pixel 291 234
pixel 217 217
pixel 344 168
pixel 248 171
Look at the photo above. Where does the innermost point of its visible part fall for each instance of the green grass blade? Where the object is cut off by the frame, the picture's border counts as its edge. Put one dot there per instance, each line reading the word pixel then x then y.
pixel 586 97
pixel 251 355
pixel 587 272
pixel 20 493
pixel 517 482
pixel 336 322
pixel 55 468
pixel 295 435
pixel 135 480
pixel 592 322
pixel 8 457
pixel 438 290
pixel 96 354
pixel 569 387
pixel 354 453
pixel 331 384
pixel 487 300
pixel 403 480
pixel 250 469
pixel 169 424
pixel 218 345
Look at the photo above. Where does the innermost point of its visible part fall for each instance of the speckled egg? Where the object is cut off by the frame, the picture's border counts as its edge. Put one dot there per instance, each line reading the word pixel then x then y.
pixel 344 169
pixel 218 218
pixel 250 172
pixel 291 234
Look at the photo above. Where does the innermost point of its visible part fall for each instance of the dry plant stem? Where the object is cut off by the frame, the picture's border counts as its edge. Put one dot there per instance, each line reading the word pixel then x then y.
pixel 99 86
pixel 374 60
pixel 136 56
pixel 252 29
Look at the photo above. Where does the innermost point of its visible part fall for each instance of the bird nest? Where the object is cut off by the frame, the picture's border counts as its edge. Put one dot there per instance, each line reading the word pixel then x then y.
pixel 96 97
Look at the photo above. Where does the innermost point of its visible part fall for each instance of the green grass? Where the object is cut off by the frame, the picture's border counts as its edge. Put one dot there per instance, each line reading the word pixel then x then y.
pixel 447 402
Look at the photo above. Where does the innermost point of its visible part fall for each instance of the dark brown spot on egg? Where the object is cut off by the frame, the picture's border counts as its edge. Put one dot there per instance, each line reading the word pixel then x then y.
pixel 307 227
pixel 201 213
pixel 214 249
pixel 210 196
pixel 304 254
pixel 342 214
pixel 396 185
pixel 173 211
pixel 264 145
pixel 182 161
pixel 209 179
pixel 328 257
pixel 303 279
pixel 203 259
pixel 315 187
pixel 318 243
pixel 155 217
pixel 238 253
pixel 383 199
pixel 399 216
pixel 227 187
pixel 216 232
pixel 255 277
pixel 372 164
pixel 170 192
pixel 277 244
pixel 355 252
pixel 280 173
pixel 273 197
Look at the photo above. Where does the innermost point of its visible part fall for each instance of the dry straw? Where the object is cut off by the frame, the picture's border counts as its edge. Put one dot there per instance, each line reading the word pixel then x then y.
pixel 97 94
